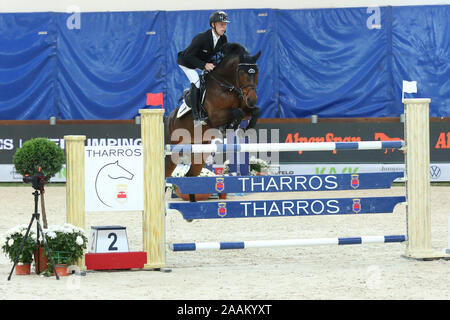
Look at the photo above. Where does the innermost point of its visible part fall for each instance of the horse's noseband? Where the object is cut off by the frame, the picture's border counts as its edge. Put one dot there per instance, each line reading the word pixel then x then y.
pixel 250 68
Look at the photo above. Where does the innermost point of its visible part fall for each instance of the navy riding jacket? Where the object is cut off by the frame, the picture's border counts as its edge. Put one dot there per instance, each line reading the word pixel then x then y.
pixel 201 50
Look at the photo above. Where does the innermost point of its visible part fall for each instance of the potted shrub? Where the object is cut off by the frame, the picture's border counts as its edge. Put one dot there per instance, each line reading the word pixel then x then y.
pixel 39 152
pixel 11 243
pixel 67 244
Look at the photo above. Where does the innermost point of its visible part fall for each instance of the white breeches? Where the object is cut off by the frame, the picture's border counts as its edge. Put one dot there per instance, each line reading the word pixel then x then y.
pixel 192 75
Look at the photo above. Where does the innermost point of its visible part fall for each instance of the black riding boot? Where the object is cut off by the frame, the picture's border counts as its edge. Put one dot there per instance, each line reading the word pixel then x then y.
pixel 196 108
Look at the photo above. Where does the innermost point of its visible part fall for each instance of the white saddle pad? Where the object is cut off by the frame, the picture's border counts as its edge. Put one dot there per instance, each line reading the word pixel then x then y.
pixel 182 110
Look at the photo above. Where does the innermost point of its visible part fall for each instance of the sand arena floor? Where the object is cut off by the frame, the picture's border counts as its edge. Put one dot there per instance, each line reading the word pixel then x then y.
pixel 372 271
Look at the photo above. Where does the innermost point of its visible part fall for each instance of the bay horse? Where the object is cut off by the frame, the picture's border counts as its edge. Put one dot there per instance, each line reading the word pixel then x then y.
pixel 230 97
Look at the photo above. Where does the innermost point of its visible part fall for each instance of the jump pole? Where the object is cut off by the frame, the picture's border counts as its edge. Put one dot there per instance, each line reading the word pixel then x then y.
pixel 417 164
pixel 417 161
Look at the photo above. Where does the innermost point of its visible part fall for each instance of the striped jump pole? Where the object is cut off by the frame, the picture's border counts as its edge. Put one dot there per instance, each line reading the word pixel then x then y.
pixel 283 147
pixel 416 144
pixel 284 243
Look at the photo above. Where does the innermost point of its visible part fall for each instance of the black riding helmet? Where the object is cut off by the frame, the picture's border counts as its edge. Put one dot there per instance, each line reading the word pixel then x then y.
pixel 218 16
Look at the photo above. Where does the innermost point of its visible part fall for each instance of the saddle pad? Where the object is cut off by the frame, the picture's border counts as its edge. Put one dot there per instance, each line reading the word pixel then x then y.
pixel 183 109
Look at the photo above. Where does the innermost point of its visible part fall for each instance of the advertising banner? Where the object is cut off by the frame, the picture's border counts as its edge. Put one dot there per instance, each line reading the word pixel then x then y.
pixel 127 135
pixel 114 178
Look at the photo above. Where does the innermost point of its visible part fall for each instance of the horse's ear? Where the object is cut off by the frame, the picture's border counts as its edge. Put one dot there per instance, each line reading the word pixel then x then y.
pixel 256 56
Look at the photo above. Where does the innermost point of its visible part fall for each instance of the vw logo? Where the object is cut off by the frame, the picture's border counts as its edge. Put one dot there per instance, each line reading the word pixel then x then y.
pixel 435 172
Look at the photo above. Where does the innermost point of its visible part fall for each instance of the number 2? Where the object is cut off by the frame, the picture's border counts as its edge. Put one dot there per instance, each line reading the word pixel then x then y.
pixel 111 246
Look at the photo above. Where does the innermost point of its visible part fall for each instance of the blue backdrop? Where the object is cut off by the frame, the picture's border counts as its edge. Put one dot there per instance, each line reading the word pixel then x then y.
pixel 329 62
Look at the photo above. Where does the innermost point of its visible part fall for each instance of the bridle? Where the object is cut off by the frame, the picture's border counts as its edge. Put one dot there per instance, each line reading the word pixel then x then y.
pixel 252 68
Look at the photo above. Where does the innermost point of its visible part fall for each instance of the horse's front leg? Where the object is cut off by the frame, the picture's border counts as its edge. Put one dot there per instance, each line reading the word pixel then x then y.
pixel 236 116
pixel 254 115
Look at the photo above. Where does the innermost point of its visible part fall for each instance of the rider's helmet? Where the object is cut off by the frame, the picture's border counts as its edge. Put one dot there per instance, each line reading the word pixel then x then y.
pixel 218 16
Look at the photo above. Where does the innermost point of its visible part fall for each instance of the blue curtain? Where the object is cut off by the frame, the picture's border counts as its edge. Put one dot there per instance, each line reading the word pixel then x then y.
pixel 421 52
pixel 327 62
pixel 333 65
pixel 106 67
pixel 27 66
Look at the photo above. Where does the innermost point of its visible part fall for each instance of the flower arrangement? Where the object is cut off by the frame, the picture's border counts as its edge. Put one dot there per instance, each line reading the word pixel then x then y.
pixel 66 243
pixel 181 170
pixel 257 167
pixel 12 240
pixel 206 173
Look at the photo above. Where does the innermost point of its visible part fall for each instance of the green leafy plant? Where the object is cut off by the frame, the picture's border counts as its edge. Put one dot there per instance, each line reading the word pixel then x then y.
pixel 12 240
pixel 66 243
pixel 39 152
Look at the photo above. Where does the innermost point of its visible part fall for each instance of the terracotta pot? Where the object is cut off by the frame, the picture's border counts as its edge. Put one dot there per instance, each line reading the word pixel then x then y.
pixel 198 196
pixel 43 260
pixel 62 270
pixel 23 269
pixel 222 195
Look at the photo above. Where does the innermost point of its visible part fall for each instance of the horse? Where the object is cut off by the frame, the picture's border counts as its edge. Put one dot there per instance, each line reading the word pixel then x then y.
pixel 230 97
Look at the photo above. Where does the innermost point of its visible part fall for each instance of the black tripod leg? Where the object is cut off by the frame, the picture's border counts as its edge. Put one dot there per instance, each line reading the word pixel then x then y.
pixel 48 250
pixel 21 248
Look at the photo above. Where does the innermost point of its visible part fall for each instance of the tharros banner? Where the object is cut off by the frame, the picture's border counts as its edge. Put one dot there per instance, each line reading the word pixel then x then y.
pixel 114 178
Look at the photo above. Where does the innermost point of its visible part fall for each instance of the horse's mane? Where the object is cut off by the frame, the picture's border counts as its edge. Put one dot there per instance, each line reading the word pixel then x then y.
pixel 231 49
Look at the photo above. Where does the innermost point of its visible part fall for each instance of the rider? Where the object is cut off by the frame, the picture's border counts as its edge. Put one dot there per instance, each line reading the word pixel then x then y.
pixel 199 55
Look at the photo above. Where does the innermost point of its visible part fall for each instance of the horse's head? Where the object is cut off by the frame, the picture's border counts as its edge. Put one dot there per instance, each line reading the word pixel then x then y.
pixel 243 71
pixel 247 77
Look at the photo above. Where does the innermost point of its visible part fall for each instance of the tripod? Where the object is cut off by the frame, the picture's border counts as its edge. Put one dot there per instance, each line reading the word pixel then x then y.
pixel 35 216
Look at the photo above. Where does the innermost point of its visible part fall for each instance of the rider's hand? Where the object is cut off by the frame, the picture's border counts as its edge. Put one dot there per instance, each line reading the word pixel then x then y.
pixel 209 66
